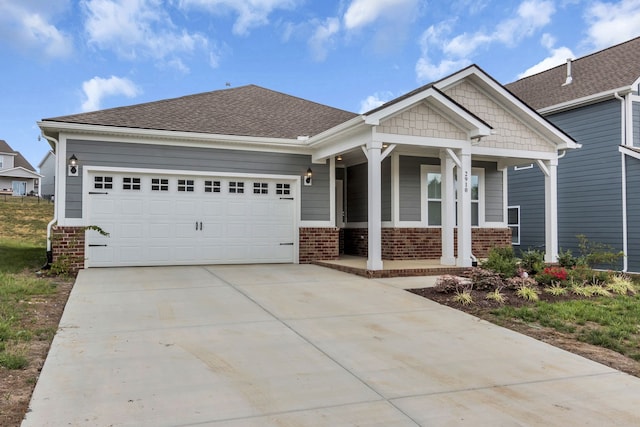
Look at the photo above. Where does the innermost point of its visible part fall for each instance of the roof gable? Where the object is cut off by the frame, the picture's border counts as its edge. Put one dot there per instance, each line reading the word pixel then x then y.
pixel 609 70
pixel 243 111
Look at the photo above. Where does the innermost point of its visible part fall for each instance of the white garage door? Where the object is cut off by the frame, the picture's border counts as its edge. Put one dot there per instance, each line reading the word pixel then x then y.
pixel 178 220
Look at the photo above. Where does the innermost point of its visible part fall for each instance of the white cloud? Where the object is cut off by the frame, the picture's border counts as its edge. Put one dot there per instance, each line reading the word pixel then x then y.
pixel 455 52
pixel 613 23
pixel 556 57
pixel 26 26
pixel 374 101
pixel 364 12
pixel 98 88
pixel 251 13
pixel 139 28
pixel 323 37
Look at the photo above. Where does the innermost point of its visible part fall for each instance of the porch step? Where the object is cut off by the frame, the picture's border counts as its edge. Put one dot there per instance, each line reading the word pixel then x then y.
pixel 400 272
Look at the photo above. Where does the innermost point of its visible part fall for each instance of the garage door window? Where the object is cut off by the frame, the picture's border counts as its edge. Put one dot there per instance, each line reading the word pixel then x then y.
pixel 159 184
pixel 283 189
pixel 236 187
pixel 186 185
pixel 103 182
pixel 130 183
pixel 212 186
pixel 260 188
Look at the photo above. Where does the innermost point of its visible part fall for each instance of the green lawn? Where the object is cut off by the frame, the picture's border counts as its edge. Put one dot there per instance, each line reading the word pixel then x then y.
pixel 23 228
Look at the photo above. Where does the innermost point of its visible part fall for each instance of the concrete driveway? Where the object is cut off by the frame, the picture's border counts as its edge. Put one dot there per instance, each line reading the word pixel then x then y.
pixel 301 345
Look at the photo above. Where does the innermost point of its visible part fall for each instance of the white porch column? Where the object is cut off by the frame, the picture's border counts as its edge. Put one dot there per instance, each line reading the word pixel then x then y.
pixel 550 170
pixel 464 210
pixel 448 208
pixel 373 150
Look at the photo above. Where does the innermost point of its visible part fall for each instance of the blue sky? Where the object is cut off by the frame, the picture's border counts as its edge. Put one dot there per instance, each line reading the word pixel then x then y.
pixel 68 56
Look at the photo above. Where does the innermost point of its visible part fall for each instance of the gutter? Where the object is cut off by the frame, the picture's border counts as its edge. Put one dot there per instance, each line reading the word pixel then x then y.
pixel 625 240
pixel 54 143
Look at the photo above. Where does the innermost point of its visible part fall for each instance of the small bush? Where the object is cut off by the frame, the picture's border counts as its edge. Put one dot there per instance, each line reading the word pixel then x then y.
pixel 621 285
pixel 597 254
pixel 485 279
pixel 566 259
pixel 447 283
pixel 528 293
pixel 556 290
pixel 503 261
pixel 532 261
pixel 463 297
pixel 496 296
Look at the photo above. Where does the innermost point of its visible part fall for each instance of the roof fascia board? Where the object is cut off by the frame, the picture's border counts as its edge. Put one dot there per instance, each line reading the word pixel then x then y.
pixel 335 132
pixel 187 139
pixel 586 100
pixel 9 172
pixel 359 136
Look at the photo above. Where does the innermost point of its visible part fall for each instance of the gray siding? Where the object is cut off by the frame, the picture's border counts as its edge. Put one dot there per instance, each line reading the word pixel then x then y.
pixel 48 170
pixel 357 192
pixel 633 211
pixel 410 208
pixel 315 198
pixel 589 182
pixel 493 205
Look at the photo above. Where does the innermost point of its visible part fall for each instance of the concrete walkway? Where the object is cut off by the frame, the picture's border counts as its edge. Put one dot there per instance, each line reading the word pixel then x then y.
pixel 302 345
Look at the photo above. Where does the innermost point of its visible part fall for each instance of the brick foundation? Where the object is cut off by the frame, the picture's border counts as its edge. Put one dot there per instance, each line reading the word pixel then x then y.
pixel 67 248
pixel 422 243
pixel 319 244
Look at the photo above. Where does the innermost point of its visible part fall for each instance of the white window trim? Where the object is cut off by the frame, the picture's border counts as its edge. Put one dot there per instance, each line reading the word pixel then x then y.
pixel 425 169
pixel 514 225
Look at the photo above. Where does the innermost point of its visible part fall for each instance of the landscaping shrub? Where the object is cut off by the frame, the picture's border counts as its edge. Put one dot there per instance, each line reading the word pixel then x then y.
pixel 502 260
pixel 483 279
pixel 566 259
pixel 532 261
pixel 519 282
pixel 597 254
pixel 447 283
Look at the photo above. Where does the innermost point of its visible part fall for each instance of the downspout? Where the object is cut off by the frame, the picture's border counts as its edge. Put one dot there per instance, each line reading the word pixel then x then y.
pixel 55 201
pixel 625 262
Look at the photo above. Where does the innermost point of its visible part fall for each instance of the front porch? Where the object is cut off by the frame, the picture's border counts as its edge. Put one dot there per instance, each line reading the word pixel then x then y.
pixel 391 268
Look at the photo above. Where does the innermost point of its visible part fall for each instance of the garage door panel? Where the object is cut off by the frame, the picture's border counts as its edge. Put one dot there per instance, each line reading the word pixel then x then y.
pixel 151 227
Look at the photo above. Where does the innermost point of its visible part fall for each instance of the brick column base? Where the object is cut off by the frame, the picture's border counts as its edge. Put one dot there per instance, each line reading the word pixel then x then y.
pixel 319 244
pixel 67 249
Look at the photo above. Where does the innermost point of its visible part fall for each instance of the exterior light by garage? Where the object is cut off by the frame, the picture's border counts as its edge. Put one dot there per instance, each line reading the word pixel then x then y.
pixel 73 165
pixel 308 176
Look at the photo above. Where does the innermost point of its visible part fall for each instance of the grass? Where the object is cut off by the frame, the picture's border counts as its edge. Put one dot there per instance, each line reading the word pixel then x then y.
pixel 22 250
pixel 610 322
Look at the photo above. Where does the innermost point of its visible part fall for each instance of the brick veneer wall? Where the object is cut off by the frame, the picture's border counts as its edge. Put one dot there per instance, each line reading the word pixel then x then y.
pixel 422 243
pixel 67 247
pixel 319 244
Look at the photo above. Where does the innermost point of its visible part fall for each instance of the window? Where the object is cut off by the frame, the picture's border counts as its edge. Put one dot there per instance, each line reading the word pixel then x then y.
pixel 185 185
pixel 434 194
pixel 260 188
pixel 130 183
pixel 159 184
pixel 283 189
pixel 212 186
pixel 236 187
pixel 513 221
pixel 103 182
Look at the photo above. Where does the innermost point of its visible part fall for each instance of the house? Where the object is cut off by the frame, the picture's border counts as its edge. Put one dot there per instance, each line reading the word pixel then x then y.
pixel 47 167
pixel 17 176
pixel 594 99
pixel 250 175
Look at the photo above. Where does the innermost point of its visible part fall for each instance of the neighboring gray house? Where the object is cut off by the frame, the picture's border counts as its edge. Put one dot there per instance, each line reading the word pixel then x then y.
pixel 47 169
pixel 594 99
pixel 17 176
pixel 249 175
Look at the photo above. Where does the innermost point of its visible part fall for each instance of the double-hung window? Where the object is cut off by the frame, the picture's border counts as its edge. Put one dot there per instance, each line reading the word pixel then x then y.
pixel 432 189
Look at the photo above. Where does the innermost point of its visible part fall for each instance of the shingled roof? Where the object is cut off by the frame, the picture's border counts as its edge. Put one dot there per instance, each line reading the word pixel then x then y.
pixel 243 111
pixel 604 71
pixel 18 161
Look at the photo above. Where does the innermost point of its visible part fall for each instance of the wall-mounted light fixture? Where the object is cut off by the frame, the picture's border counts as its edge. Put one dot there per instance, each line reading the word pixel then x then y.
pixel 73 166
pixel 308 177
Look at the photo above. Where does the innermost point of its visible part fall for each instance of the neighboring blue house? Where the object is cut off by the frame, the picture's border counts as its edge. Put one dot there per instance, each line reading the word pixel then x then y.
pixel 594 99
pixel 250 175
